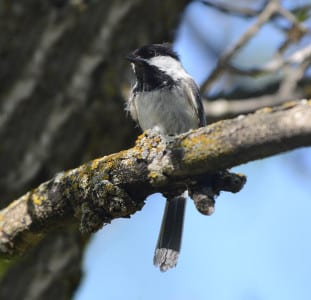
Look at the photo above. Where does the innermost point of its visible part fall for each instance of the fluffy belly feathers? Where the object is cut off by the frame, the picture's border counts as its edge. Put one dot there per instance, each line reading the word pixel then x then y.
pixel 168 112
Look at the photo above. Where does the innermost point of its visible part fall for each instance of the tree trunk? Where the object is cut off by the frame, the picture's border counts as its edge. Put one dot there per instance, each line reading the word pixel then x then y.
pixel 63 81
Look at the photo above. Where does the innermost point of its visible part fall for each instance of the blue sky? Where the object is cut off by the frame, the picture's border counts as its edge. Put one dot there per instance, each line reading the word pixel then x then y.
pixel 255 246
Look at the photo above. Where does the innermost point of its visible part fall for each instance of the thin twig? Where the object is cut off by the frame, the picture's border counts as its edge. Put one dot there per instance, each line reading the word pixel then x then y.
pixel 263 17
pixel 276 64
pixel 236 10
pixel 292 19
pixel 292 78
pixel 225 108
pixel 294 34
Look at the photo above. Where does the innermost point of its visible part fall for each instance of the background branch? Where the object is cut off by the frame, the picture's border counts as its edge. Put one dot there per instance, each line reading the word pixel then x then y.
pixel 244 12
pixel 269 10
pixel 290 69
pixel 298 57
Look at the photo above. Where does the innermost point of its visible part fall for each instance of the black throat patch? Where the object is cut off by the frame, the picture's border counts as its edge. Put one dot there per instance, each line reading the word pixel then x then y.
pixel 150 78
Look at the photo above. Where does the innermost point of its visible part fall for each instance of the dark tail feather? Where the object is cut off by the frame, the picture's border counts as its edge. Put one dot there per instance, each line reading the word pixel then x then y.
pixel 169 242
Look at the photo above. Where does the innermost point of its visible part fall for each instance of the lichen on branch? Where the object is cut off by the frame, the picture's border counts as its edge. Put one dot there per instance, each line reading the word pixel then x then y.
pixel 117 185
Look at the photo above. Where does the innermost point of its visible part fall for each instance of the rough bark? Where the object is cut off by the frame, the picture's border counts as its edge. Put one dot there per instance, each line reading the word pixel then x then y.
pixel 63 76
pixel 117 185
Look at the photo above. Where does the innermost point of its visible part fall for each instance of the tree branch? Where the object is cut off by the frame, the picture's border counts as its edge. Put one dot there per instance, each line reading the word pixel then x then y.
pixel 269 10
pixel 116 185
pixel 236 10
pixel 297 58
pixel 226 108
pixel 243 101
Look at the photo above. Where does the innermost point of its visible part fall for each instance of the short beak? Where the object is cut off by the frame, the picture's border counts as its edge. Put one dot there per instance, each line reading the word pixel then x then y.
pixel 135 59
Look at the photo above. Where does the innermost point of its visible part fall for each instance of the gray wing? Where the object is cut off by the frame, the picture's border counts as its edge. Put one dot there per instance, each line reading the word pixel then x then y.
pixel 194 97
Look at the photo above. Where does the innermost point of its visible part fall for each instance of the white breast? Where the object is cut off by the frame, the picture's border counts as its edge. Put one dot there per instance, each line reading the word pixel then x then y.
pixel 166 110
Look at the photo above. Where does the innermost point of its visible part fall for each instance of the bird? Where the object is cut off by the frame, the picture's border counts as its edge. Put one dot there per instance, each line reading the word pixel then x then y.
pixel 166 99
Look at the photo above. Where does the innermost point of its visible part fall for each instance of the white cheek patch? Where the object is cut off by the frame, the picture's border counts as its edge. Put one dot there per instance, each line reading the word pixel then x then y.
pixel 170 66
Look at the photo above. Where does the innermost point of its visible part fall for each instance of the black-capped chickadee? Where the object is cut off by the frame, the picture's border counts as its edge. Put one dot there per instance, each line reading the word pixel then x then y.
pixel 165 98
